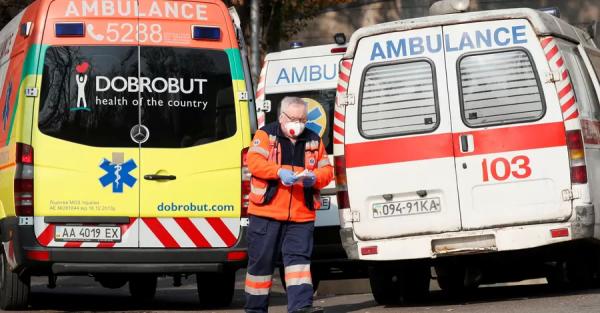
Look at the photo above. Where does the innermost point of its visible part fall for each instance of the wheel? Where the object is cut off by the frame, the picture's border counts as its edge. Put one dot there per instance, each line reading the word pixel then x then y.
pixel 14 288
pixel 450 278
pixel 216 289
pixel 399 283
pixel 316 278
pixel 143 287
pixel 575 273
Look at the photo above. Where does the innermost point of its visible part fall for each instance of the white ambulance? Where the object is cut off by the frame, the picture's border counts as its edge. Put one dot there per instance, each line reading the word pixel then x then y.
pixel 311 73
pixel 471 142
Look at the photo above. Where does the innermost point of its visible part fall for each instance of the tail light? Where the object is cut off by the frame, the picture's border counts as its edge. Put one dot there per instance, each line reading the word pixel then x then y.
pixel 576 157
pixel 341 182
pixel 245 184
pixel 23 185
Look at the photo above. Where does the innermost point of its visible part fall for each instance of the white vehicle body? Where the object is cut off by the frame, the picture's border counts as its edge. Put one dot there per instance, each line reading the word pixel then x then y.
pixel 468 133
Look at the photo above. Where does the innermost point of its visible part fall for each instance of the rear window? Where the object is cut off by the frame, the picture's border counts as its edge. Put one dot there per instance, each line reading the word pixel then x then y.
pixel 321 104
pixel 95 95
pixel 499 88
pixel 398 99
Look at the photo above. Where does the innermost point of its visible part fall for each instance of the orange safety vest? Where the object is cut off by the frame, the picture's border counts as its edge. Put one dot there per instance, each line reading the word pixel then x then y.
pixel 269 197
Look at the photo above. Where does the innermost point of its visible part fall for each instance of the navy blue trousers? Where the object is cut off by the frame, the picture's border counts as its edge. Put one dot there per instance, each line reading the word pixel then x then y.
pixel 267 239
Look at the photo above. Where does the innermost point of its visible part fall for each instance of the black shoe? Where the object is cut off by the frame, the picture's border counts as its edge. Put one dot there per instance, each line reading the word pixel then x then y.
pixel 310 309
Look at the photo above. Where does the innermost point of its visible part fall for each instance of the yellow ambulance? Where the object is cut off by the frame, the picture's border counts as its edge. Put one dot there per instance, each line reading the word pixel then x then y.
pixel 124 129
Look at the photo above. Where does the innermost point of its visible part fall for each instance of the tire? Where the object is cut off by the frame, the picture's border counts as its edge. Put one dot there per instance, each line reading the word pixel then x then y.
pixel 216 289
pixel 575 273
pixel 399 283
pixel 143 287
pixel 452 279
pixel 316 278
pixel 14 288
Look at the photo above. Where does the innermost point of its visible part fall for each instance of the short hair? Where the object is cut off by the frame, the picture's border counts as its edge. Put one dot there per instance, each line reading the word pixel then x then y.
pixel 288 101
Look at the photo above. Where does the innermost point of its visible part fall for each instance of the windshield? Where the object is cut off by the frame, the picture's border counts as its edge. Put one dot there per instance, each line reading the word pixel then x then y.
pixel 320 111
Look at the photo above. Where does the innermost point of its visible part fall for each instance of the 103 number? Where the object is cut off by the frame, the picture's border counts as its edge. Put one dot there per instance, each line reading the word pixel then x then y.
pixel 501 169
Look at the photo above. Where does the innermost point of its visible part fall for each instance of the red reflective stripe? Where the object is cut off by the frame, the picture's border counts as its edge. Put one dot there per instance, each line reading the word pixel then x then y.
pixel 546 41
pixel 565 91
pixel 124 229
pixel 73 244
pixel 46 236
pixel 338 129
pixel 222 230
pixel 417 148
pixel 552 53
pixel 399 150
pixel 260 93
pixel 573 115
pixel 161 233
pixel 565 75
pixel 341 88
pixel 567 104
pixel 560 62
pixel 344 77
pixel 192 232
pixel 340 116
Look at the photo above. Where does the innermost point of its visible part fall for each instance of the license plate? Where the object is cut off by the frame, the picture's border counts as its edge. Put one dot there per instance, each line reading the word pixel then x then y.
pixel 411 207
pixel 87 233
pixel 325 203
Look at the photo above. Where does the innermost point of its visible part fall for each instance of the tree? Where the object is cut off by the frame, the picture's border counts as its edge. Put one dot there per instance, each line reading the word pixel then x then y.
pixel 281 19
pixel 10 8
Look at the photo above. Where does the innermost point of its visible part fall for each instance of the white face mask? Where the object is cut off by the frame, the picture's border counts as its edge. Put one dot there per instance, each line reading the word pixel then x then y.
pixel 294 129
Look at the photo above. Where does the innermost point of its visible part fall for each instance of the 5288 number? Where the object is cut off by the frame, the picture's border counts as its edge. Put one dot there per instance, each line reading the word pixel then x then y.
pixel 501 169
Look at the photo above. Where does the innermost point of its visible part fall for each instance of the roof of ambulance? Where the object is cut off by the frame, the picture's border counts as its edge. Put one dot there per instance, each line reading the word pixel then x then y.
pixel 307 52
pixel 543 24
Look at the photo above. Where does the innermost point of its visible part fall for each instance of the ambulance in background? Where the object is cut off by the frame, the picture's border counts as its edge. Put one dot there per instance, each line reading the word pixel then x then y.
pixel 124 128
pixel 311 73
pixel 471 142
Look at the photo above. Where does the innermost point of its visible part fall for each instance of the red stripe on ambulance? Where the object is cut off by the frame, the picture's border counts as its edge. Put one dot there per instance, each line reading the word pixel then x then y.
pixel 440 145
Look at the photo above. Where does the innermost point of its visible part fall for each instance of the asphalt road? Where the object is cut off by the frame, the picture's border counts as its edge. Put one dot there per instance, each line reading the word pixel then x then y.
pixel 83 294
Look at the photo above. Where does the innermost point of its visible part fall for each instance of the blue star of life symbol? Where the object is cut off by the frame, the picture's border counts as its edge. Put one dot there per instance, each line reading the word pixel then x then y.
pixel 118 175
pixel 6 110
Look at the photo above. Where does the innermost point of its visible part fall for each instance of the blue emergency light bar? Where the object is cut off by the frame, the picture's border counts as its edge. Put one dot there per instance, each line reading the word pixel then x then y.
pixel 206 33
pixel 69 29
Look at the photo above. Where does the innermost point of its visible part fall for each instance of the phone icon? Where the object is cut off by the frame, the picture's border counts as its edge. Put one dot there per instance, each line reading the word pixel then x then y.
pixel 90 30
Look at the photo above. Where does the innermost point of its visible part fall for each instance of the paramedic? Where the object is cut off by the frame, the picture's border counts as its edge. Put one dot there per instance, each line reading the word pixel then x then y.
pixel 289 166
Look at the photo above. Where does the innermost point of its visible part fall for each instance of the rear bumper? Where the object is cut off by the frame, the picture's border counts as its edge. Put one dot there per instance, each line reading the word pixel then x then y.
pixel 28 255
pixel 498 239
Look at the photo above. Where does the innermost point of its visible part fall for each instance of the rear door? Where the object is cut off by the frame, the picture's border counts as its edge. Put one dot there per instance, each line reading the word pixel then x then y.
pixel 191 159
pixel 313 79
pixel 86 176
pixel 399 152
pixel 509 137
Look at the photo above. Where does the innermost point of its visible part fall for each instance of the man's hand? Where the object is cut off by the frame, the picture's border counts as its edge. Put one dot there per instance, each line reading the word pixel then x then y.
pixel 309 180
pixel 287 177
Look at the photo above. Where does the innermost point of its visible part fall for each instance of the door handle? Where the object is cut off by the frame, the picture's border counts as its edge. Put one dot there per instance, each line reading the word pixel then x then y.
pixel 467 144
pixel 160 177
pixel 464 143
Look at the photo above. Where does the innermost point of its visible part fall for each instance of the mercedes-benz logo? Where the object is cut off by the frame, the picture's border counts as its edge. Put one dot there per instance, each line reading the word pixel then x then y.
pixel 140 133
